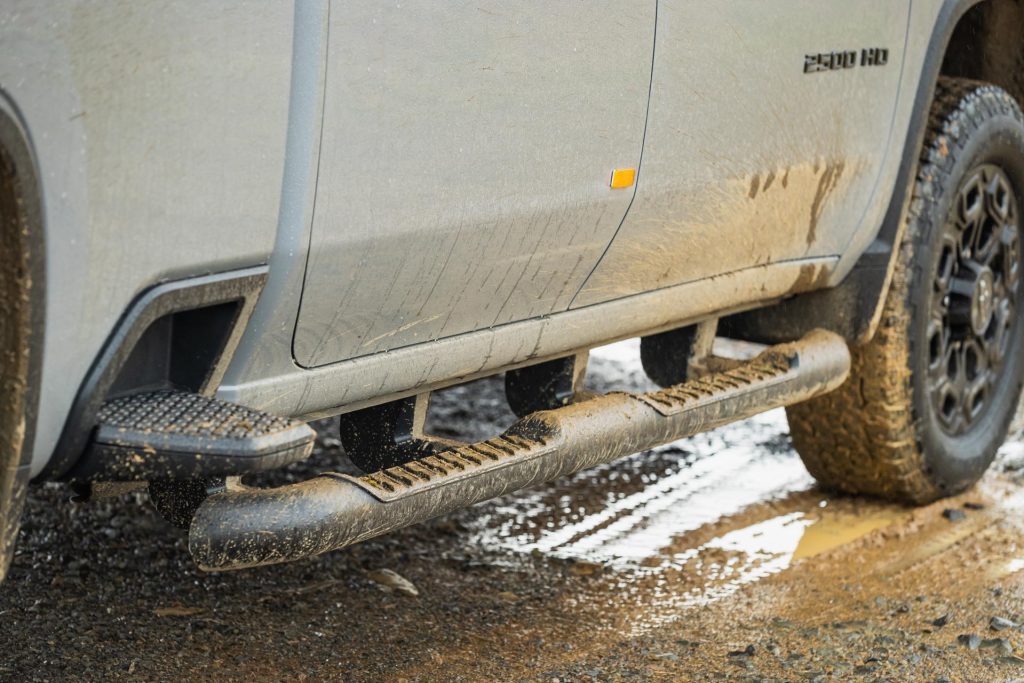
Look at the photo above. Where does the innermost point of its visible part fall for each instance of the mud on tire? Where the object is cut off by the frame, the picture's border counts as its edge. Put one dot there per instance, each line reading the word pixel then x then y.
pixel 917 420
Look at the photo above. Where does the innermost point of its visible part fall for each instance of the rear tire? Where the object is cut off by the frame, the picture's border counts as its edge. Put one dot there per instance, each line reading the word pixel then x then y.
pixel 930 398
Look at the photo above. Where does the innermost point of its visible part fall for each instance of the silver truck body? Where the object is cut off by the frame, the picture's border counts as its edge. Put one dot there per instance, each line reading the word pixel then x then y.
pixel 428 183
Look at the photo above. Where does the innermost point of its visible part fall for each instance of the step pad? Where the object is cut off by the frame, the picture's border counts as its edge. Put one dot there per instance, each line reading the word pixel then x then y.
pixel 180 435
pixel 527 441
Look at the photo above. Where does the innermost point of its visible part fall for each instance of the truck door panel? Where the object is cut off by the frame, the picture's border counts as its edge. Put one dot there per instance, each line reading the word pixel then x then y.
pixel 465 163
pixel 748 159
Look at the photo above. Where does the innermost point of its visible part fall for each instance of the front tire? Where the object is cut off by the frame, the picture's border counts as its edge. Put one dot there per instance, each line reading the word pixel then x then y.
pixel 931 396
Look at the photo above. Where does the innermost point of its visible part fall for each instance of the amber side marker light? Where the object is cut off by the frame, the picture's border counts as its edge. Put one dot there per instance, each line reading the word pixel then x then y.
pixel 622 177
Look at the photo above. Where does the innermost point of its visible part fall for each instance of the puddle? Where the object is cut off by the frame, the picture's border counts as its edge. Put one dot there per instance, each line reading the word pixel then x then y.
pixel 834 530
pixel 683 525
pixel 647 502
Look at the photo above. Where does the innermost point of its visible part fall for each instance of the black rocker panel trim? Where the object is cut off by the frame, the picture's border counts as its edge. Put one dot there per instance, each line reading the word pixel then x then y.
pixel 166 299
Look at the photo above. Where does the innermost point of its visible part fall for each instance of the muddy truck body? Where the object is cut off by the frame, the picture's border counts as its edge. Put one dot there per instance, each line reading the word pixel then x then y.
pixel 223 220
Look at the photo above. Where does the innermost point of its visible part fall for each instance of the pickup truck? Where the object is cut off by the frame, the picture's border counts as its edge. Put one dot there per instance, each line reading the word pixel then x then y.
pixel 221 220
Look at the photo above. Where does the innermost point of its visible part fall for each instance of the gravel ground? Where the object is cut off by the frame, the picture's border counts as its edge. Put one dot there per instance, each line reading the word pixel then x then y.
pixel 712 558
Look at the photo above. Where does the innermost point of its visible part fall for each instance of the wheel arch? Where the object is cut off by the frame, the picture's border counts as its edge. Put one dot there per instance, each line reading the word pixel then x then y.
pixel 987 44
pixel 22 301
pixel 965 40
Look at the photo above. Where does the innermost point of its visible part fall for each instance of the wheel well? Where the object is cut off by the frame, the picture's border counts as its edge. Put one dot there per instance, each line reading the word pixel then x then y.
pixel 21 323
pixel 988 45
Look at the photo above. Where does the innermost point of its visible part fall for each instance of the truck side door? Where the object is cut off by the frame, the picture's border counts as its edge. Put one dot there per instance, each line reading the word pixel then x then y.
pixel 768 129
pixel 465 163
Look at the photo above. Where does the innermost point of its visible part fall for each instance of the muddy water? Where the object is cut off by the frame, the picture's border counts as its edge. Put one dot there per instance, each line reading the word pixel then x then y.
pixel 711 558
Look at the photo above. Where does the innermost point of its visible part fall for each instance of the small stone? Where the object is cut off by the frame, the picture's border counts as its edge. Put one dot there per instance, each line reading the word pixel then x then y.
pixel 748 651
pixel 584 568
pixel 1002 645
pixel 1000 624
pixel 178 611
pixel 954 515
pixel 668 656
pixel 1012 659
pixel 389 581
pixel 974 506
pixel 969 640
pixel 1012 462
pixel 941 621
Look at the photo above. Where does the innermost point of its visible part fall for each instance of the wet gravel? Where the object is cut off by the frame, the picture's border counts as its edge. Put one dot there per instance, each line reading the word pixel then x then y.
pixel 633 572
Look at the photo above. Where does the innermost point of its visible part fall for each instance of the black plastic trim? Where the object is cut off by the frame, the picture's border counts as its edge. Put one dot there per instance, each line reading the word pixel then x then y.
pixel 153 304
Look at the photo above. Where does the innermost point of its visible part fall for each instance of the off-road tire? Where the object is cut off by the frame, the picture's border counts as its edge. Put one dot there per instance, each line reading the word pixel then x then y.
pixel 879 433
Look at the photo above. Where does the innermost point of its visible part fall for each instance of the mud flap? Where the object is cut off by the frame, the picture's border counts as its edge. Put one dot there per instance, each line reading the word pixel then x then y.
pixel 244 527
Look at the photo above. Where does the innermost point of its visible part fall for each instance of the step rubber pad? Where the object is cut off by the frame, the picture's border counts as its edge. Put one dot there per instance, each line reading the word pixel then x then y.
pixel 178 435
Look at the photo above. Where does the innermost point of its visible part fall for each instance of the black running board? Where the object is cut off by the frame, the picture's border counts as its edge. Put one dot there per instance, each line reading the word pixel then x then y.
pixel 245 527
pixel 181 435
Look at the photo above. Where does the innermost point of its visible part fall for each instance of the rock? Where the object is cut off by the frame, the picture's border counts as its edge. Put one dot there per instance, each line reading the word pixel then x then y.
pixel 584 568
pixel 748 651
pixel 668 656
pixel 941 621
pixel 969 640
pixel 1001 644
pixel 1011 456
pixel 178 611
pixel 954 515
pixel 974 506
pixel 389 581
pixel 1000 624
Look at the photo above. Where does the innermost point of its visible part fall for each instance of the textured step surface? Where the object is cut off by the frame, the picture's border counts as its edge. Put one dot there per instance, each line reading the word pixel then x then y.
pixel 178 435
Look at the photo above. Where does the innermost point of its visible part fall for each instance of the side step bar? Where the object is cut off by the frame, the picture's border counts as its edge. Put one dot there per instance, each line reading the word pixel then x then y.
pixel 245 527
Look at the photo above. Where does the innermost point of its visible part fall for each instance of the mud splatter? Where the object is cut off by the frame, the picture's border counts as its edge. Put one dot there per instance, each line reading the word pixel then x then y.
pixel 826 184
pixel 755 182
pixel 810 277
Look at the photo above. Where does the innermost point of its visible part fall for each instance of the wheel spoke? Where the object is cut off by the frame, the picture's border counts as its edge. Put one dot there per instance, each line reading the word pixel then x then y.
pixel 972 312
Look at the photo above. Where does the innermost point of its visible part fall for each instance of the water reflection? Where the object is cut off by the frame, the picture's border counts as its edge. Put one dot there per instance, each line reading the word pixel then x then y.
pixel 682 525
